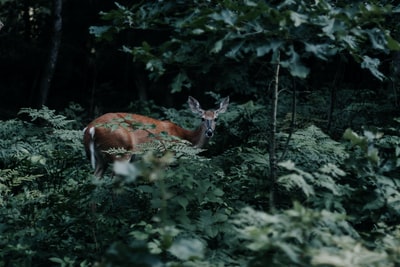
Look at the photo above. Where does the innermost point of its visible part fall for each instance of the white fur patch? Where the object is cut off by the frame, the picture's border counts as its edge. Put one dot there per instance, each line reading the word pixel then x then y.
pixel 125 168
pixel 92 131
pixel 92 147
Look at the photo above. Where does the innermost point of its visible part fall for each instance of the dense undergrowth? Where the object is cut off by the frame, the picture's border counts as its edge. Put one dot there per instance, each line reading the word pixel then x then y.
pixel 324 73
pixel 337 202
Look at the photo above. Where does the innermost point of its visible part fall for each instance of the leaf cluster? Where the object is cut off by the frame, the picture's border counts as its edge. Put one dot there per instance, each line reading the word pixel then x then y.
pixel 337 202
pixel 205 37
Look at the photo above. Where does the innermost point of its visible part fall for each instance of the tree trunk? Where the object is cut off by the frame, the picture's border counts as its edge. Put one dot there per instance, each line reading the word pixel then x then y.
pixel 395 77
pixel 27 21
pixel 52 56
pixel 272 147
pixel 140 81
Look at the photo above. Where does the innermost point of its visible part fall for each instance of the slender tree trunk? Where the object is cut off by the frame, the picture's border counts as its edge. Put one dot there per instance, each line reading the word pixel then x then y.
pixel 27 21
pixel 332 91
pixel 272 148
pixel 52 56
pixel 140 82
pixel 293 119
pixel 395 77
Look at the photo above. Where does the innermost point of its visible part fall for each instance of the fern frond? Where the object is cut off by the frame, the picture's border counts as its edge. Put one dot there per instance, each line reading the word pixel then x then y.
pixel 55 120
pixel 312 145
pixel 178 147
pixel 14 177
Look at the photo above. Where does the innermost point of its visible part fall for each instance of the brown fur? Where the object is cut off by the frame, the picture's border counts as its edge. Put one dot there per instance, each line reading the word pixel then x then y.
pixel 120 130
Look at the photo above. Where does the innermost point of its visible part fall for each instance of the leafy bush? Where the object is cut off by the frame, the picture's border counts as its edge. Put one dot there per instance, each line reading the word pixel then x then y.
pixel 197 39
pixel 337 203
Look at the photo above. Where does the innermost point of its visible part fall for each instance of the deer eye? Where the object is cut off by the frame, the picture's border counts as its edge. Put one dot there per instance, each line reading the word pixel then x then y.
pixel 216 119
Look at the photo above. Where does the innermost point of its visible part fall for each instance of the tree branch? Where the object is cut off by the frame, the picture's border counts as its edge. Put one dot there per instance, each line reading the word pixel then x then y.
pixel 53 54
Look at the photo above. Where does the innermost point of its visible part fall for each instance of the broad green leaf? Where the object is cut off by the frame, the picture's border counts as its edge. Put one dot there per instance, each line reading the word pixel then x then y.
pixel 392 43
pixel 289 250
pixel 289 165
pixel 101 32
pixel 217 47
pixel 321 51
pixel 182 201
pixel 327 182
pixel 294 64
pixel 332 170
pixel 179 81
pixel 377 38
pixel 334 28
pixel 355 138
pixel 226 15
pixel 187 249
pixel 373 154
pixel 126 169
pixel 250 3
pixel 291 181
pixel 351 42
pixel 372 65
pixel 197 31
pixel 268 47
pixel 234 52
pixel 156 66
pixel 57 260
pixel 218 192
pixel 298 19
pixel 38 159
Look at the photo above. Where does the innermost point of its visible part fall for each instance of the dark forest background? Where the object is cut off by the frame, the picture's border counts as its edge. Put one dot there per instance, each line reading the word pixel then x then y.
pixel 97 73
pixel 88 72
pixel 80 75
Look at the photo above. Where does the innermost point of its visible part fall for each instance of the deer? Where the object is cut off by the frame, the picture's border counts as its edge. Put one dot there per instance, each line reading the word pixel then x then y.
pixel 117 130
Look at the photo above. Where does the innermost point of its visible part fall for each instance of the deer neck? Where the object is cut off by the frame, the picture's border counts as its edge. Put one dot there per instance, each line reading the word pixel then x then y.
pixel 197 137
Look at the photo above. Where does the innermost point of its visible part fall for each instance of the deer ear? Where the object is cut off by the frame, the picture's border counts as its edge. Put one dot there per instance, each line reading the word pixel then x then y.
pixel 223 105
pixel 195 106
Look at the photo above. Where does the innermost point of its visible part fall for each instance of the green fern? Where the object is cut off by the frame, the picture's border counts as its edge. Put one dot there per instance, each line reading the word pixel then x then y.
pixel 294 236
pixel 312 148
pixel 57 121
pixel 180 148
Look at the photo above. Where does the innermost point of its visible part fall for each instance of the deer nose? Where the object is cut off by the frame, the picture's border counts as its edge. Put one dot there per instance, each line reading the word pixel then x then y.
pixel 209 133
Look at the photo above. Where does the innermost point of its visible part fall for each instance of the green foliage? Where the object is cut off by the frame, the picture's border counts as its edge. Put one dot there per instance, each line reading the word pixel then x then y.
pixel 312 147
pixel 304 237
pixel 38 165
pixel 204 37
pixel 347 210
pixel 337 202
pixel 375 166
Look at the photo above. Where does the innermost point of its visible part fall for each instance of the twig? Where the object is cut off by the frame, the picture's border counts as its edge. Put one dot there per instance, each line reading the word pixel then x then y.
pixel 293 119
